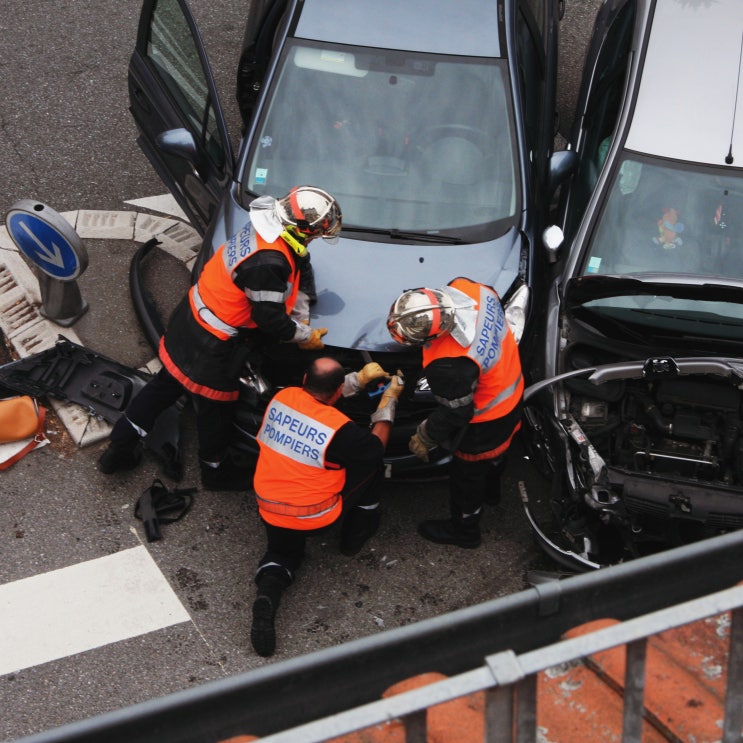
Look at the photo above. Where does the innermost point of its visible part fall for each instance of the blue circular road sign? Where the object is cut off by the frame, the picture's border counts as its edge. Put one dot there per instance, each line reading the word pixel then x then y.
pixel 47 239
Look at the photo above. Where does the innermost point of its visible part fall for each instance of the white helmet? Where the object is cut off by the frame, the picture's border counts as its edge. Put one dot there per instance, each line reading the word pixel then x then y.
pixel 311 211
pixel 418 315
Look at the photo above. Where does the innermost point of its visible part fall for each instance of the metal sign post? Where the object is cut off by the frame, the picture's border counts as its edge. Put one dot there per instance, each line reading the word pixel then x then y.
pixel 46 238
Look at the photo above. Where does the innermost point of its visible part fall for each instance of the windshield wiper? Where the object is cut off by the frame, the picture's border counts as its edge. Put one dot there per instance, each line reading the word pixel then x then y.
pixel 431 237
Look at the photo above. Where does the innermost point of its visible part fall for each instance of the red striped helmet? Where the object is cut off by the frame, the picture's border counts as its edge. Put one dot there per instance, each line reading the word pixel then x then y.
pixel 418 315
pixel 311 211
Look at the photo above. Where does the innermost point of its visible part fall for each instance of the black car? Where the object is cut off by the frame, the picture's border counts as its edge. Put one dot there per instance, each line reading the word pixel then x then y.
pixel 432 125
pixel 639 420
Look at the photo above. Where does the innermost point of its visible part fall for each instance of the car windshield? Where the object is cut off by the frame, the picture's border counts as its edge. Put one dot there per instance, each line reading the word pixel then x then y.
pixel 671 220
pixel 405 141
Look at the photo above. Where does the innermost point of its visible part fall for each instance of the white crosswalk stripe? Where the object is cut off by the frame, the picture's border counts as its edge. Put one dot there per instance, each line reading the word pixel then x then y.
pixel 67 611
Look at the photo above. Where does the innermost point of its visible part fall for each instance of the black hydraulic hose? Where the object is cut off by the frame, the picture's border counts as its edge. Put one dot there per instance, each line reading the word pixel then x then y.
pixel 651 410
pixel 144 305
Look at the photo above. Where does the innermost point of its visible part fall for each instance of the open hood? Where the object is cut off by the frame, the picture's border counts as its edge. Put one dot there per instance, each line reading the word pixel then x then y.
pixel 658 314
pixel 584 289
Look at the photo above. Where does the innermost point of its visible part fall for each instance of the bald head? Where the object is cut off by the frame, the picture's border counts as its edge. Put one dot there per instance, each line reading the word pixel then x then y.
pixel 323 378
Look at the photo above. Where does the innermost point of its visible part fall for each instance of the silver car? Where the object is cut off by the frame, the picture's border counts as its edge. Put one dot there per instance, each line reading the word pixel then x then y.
pixel 639 420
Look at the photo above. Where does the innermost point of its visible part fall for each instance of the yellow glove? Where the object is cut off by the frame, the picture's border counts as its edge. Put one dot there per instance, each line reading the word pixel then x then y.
pixel 421 443
pixel 370 372
pixel 393 392
pixel 386 409
pixel 314 342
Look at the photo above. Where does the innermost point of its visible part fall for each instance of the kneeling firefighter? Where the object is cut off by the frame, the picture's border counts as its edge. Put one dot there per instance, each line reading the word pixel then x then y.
pixel 259 283
pixel 315 466
pixel 471 361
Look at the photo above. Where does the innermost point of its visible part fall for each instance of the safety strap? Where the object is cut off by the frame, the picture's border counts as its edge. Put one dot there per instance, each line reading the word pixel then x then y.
pixel 287 509
pixel 161 505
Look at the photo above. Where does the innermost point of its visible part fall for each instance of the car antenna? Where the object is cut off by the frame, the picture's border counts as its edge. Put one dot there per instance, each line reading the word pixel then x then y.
pixel 729 158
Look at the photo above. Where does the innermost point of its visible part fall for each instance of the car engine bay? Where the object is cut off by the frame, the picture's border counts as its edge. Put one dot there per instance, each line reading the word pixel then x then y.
pixel 643 461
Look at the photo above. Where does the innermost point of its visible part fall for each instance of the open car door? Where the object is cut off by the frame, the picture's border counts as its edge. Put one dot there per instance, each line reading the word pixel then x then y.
pixel 174 101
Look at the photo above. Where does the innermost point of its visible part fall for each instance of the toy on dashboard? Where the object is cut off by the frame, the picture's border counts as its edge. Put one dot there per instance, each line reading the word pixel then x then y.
pixel 669 229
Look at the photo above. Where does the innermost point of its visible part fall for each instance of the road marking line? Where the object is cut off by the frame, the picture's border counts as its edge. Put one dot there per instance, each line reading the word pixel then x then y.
pixel 163 203
pixel 84 606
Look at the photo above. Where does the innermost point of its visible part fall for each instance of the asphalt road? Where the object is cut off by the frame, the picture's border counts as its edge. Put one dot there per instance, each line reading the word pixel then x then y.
pixel 67 141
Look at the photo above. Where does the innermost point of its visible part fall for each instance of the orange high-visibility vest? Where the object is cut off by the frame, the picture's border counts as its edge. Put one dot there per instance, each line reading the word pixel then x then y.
pixel 295 487
pixel 493 349
pixel 217 303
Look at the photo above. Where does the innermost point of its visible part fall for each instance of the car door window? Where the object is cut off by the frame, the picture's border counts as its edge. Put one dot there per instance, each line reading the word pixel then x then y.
pixel 532 75
pixel 260 37
pixel 602 109
pixel 172 51
pixel 538 11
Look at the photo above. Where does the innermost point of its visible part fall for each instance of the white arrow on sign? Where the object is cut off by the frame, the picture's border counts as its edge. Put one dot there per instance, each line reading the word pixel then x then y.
pixel 50 257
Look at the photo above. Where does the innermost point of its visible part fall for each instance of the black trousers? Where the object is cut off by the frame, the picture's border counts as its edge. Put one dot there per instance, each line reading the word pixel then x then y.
pixel 474 481
pixel 213 419
pixel 285 548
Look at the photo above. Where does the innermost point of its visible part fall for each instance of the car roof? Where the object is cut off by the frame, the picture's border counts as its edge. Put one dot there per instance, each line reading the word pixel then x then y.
pixel 465 27
pixel 686 104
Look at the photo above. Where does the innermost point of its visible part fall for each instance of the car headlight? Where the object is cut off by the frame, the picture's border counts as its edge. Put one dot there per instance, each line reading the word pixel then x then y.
pixel 255 384
pixel 516 308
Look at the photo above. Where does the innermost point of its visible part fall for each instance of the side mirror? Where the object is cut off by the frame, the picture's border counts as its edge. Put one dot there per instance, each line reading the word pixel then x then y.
pixel 181 143
pixel 552 239
pixel 562 165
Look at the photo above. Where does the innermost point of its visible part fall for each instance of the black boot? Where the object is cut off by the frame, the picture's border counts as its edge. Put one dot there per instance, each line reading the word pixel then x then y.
pixel 459 531
pixel 359 525
pixel 262 631
pixel 271 584
pixel 118 458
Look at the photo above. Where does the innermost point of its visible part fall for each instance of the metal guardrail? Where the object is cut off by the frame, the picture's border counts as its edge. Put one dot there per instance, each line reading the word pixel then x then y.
pixel 510 633
pixel 510 682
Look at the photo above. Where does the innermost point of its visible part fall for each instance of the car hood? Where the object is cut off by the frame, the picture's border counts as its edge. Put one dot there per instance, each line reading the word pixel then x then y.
pixel 655 313
pixel 357 281
pixel 584 289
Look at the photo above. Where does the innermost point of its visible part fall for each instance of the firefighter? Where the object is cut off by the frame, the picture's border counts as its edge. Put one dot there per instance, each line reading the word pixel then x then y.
pixel 315 466
pixel 258 284
pixel 471 362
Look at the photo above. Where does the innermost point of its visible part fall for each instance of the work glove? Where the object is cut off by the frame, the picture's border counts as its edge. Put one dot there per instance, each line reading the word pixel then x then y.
pixel 357 381
pixel 314 342
pixel 421 443
pixel 388 402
